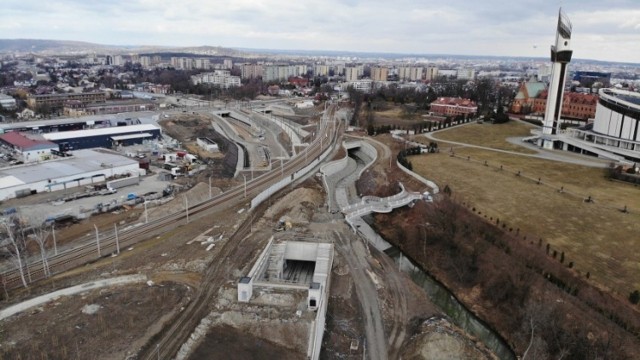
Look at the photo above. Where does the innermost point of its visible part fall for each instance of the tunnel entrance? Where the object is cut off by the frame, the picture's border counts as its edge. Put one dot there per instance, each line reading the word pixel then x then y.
pixel 298 271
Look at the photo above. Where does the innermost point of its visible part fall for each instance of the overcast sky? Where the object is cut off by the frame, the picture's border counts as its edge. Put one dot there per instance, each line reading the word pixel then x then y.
pixel 602 29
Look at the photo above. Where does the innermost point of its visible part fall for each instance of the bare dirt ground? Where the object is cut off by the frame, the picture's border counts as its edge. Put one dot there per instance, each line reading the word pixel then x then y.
pixel 81 327
pixel 227 342
pixel 438 339
pixel 394 115
pixel 177 259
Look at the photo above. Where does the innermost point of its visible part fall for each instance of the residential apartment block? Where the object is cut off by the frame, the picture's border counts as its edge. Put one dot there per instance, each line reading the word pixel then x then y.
pixel 77 108
pixel 431 73
pixel 321 70
pixel 379 73
pixel 56 101
pixel 363 85
pixel 282 72
pixel 221 78
pixel 251 71
pixel 466 74
pixel 353 73
pixel 410 73
pixel 7 102
pixel 202 64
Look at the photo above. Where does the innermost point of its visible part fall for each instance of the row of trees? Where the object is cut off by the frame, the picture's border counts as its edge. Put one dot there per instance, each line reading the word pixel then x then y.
pixel 512 281
pixel 490 96
pixel 18 236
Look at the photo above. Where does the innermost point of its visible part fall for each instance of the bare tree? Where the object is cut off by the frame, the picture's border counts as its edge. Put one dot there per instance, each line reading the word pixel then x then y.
pixel 40 235
pixel 535 315
pixel 16 244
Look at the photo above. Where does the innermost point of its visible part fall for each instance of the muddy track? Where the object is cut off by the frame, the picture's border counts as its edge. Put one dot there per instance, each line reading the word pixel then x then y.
pixel 376 341
pixel 398 299
pixel 166 344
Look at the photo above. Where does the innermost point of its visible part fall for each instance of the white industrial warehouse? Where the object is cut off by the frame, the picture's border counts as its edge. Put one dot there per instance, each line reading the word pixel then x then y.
pixel 84 167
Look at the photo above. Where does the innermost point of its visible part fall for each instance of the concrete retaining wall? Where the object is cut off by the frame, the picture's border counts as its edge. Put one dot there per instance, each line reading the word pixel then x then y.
pixel 334 167
pixel 317 327
pixel 265 194
pixel 429 183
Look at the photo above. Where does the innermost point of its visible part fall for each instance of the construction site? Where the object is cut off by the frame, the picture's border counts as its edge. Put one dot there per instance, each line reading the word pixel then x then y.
pixel 286 277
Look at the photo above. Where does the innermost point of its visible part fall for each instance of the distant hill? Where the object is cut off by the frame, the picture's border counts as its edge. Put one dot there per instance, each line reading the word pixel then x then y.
pixel 50 46
pixel 68 47
pixel 61 47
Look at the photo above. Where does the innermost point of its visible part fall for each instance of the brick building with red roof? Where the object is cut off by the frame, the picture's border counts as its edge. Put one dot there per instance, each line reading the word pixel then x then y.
pixel 532 99
pixel 451 106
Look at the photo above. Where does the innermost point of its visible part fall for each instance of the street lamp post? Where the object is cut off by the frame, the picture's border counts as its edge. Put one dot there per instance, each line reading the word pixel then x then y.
pixel 55 245
pixel 186 207
pixel 245 184
pixel 115 227
pixel 210 187
pixel 146 214
pixel 97 239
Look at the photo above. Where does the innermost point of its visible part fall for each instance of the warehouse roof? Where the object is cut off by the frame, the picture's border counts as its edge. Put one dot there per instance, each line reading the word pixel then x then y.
pixel 115 130
pixel 81 162
pixel 131 136
pixel 23 142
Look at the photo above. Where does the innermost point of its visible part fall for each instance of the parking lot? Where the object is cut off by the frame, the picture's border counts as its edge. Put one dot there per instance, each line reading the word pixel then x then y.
pixel 45 205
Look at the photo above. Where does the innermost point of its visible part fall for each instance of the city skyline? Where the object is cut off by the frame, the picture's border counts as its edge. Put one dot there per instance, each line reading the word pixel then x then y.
pixel 606 32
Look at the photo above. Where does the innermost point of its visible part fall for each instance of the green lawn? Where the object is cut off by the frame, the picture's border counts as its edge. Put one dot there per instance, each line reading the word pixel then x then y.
pixel 489 135
pixel 597 236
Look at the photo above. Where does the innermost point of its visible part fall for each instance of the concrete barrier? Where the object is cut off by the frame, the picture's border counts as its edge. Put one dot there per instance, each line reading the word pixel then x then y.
pixel 265 194
pixel 434 188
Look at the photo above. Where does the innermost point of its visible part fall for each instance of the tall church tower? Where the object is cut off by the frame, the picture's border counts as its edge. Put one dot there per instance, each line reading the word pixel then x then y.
pixel 560 56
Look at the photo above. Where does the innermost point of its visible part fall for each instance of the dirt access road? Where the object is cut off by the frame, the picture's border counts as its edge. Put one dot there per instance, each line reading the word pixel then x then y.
pixel 356 256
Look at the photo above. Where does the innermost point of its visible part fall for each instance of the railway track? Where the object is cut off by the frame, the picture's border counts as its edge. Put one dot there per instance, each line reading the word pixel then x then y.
pixel 169 341
pixel 166 344
pixel 88 251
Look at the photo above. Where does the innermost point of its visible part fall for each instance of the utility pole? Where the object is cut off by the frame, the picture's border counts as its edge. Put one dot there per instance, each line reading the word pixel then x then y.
pixel 97 239
pixel 115 226
pixel 186 207
pixel 210 196
pixel 146 214
pixel 55 245
pixel 245 184
pixel 281 168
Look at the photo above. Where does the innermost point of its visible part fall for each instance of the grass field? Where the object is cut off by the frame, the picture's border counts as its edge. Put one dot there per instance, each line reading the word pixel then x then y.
pixel 394 115
pixel 488 135
pixel 597 236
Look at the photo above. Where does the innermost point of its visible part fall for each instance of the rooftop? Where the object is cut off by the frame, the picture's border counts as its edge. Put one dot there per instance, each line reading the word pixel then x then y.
pixel 81 162
pixel 454 101
pixel 24 142
pixel 114 130
pixel 628 96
